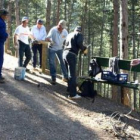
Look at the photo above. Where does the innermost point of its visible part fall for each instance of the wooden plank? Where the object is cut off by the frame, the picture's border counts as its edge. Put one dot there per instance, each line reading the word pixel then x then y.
pixel 128 84
pixel 123 64
pixel 116 93
pixel 44 54
pixel 103 61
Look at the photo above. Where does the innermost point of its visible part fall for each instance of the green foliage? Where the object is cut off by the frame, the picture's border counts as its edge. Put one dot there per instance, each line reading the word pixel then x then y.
pixel 95 16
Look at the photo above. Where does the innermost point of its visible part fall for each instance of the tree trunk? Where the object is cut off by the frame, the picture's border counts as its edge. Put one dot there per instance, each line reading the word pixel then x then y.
pixel 7 44
pixel 133 27
pixel 124 42
pixel 17 12
pixel 36 15
pixel 54 5
pixel 69 13
pixel 65 10
pixel 84 17
pixel 48 15
pixel 58 11
pixel 102 29
pixel 1 4
pixel 116 91
pixel 123 29
pixel 134 46
pixel 115 28
pixel 27 8
pixel 89 36
pixel 80 71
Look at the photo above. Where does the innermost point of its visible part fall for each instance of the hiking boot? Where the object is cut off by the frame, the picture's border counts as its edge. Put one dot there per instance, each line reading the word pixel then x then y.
pixel 2 80
pixel 35 69
pixel 27 70
pixel 74 97
pixel 53 82
pixel 68 90
pixel 65 79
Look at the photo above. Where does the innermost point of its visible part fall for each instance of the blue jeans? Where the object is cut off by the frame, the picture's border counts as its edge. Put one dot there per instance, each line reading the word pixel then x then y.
pixel 70 62
pixel 35 48
pixel 1 57
pixel 24 48
pixel 52 54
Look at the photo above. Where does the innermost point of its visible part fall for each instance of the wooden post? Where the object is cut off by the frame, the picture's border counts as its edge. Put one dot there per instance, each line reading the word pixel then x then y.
pixel 44 54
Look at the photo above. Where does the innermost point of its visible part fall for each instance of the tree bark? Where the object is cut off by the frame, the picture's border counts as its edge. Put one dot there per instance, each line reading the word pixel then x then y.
pixel 48 15
pixel 115 28
pixel 54 5
pixel 58 11
pixel 89 36
pixel 116 91
pixel 124 43
pixel 84 17
pixel 69 13
pixel 102 29
pixel 7 44
pixel 65 10
pixel 1 4
pixel 80 67
pixel 27 8
pixel 17 13
pixel 123 29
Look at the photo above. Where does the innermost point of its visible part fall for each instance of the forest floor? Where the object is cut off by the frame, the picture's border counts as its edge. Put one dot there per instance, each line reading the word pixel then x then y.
pixel 34 109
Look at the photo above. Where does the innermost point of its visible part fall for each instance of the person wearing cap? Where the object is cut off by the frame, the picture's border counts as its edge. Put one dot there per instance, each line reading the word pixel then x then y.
pixel 72 45
pixel 21 36
pixel 3 37
pixel 39 33
pixel 56 37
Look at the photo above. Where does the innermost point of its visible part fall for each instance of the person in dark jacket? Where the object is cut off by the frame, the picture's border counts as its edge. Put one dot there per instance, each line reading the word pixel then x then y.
pixel 72 45
pixel 3 37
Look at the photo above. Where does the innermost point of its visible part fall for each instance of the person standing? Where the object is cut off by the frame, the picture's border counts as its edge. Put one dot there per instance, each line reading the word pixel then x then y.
pixel 56 37
pixel 39 33
pixel 21 36
pixel 73 43
pixel 3 37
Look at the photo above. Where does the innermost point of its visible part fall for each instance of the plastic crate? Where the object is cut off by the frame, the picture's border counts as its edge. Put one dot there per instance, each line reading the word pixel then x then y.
pixel 119 78
pixel 122 78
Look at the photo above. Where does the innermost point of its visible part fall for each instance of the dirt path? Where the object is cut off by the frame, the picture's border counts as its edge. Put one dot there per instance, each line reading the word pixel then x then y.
pixel 33 109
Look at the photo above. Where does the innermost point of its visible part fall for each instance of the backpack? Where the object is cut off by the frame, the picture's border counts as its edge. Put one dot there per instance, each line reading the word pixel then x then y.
pixel 94 68
pixel 87 89
pixel 113 65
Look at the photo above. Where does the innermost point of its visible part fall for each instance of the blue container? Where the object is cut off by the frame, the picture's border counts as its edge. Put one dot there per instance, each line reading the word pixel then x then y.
pixel 122 78
pixel 118 78
pixel 19 73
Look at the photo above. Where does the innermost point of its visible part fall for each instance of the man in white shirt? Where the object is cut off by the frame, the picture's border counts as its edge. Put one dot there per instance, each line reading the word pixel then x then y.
pixel 39 33
pixel 21 36
pixel 56 37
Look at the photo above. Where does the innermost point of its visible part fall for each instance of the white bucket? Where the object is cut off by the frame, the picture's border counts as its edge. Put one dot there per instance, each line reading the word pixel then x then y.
pixel 19 73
